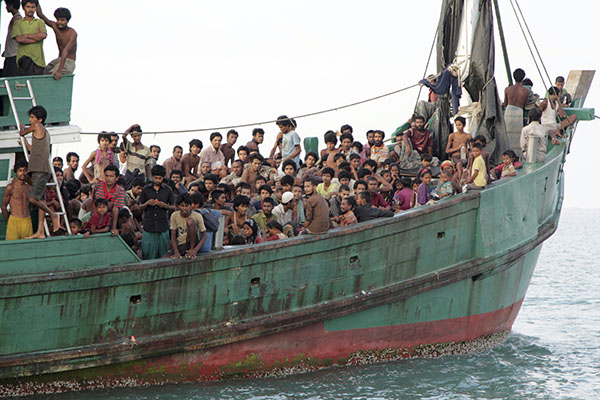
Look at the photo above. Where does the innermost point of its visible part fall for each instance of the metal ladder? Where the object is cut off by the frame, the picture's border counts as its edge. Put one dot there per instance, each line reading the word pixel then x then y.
pixel 54 182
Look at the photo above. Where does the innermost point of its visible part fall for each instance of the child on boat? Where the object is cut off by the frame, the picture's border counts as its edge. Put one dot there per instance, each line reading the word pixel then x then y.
pixel 100 159
pixel 188 232
pixel 477 179
pixel 100 221
pixel 444 188
pixel 404 197
pixel 327 188
pixel 508 167
pixel 423 194
pixel 274 231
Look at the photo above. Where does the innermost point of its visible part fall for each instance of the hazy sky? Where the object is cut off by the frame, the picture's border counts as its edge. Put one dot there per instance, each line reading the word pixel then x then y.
pixel 200 64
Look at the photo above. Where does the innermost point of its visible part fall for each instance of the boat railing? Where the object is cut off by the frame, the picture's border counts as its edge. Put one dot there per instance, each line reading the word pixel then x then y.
pixel 54 95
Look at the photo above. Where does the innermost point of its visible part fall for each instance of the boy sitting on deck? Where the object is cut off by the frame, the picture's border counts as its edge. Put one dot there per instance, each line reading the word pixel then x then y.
pixel 444 188
pixel 327 188
pixel 188 232
pixel 477 180
pixel 508 167
pixel 100 221
pixel 425 164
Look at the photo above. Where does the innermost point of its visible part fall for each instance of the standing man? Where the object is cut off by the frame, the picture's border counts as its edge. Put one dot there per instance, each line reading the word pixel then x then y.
pixel 213 155
pixel 156 200
pixel 30 33
pixel 66 39
pixel 136 155
pixel 290 146
pixel 515 100
pixel 258 136
pixel 11 47
pixel 114 140
pixel 39 167
pixel 227 148
pixel 17 196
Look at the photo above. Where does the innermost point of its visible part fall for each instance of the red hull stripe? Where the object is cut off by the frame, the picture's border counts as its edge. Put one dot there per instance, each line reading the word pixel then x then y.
pixel 317 344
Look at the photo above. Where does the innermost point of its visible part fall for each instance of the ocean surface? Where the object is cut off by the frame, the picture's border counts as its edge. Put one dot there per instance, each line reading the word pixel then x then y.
pixel 553 351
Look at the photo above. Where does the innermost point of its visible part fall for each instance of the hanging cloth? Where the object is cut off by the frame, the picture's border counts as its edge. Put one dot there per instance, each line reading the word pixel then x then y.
pixel 448 81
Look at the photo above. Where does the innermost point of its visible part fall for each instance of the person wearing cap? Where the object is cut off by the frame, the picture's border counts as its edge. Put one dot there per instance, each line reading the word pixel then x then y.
pixel 284 214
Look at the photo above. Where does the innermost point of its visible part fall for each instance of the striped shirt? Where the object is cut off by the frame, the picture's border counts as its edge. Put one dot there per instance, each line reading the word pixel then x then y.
pixel 115 197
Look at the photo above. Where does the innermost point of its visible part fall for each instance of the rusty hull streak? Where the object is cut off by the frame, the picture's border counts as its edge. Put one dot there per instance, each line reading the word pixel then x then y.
pixel 247 249
pixel 217 335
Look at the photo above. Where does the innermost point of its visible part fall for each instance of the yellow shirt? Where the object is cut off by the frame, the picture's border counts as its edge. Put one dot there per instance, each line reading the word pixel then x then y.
pixel 180 224
pixel 325 192
pixel 479 165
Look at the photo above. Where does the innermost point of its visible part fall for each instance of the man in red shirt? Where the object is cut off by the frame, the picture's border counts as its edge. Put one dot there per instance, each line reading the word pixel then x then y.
pixel 419 136
pixel 113 193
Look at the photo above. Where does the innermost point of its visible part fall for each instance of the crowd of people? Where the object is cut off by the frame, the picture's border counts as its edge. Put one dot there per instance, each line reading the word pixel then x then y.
pixel 24 49
pixel 171 208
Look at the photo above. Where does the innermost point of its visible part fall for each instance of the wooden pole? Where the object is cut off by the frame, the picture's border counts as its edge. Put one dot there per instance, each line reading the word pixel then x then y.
pixel 503 42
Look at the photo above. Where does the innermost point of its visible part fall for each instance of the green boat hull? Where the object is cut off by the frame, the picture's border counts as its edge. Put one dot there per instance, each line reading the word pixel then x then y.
pixel 435 280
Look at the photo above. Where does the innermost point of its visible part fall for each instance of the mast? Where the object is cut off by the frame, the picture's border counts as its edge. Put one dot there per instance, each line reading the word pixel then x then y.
pixel 503 43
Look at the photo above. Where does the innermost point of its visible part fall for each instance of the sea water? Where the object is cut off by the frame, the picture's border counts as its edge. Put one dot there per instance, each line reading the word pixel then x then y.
pixel 553 351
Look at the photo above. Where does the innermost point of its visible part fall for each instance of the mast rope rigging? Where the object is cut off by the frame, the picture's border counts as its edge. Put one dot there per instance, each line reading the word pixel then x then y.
pixel 534 44
pixel 426 68
pixel 527 41
pixel 274 120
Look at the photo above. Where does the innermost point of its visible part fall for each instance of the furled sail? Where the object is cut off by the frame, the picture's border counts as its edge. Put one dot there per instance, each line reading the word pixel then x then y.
pixel 481 84
pixel 466 39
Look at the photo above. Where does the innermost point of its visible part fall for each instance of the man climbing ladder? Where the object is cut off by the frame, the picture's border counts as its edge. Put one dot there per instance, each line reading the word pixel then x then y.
pixel 39 168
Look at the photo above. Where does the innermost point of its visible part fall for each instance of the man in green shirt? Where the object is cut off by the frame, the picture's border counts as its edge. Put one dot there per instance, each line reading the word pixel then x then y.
pixel 30 33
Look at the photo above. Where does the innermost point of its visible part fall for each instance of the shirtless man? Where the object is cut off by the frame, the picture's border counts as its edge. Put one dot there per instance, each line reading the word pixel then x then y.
pixel 66 39
pixel 457 144
pixel 250 174
pixel 516 95
pixel 17 196
pixel 190 162
pixel 515 100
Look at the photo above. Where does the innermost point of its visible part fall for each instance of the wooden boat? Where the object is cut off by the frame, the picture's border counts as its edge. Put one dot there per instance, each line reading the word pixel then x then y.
pixel 442 279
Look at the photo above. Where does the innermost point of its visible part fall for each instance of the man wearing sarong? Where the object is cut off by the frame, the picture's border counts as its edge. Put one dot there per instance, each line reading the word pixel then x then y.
pixel 515 99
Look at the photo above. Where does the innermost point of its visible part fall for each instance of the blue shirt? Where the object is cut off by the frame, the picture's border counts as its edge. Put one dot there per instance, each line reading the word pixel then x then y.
pixel 288 146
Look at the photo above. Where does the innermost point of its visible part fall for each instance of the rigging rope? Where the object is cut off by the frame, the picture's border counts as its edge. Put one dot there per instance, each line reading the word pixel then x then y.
pixel 534 44
pixel 274 120
pixel 426 68
pixel 527 41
